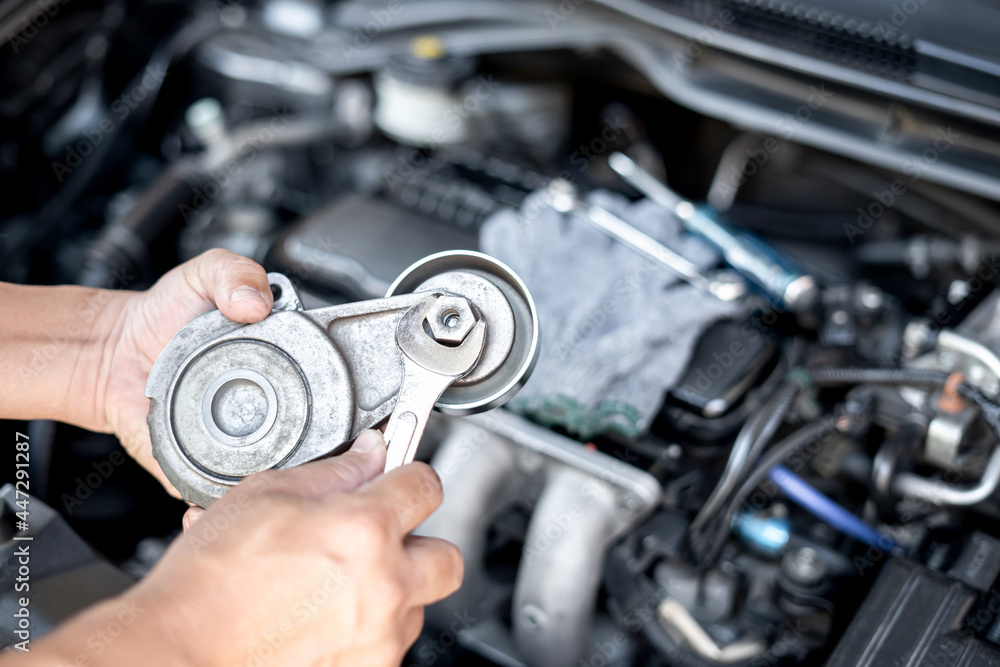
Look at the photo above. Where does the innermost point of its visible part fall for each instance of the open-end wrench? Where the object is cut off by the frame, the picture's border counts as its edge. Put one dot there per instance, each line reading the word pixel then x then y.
pixel 724 285
pixel 429 367
pixel 784 284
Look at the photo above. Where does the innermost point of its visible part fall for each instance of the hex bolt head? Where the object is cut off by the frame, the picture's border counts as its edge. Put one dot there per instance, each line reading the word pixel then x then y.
pixel 532 619
pixel 804 566
pixel 628 502
pixel 451 319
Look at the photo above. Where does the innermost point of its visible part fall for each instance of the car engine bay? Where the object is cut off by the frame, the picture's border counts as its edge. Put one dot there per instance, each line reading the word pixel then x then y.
pixel 761 238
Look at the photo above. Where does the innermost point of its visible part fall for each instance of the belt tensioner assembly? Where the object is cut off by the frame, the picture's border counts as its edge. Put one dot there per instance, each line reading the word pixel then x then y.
pixel 458 331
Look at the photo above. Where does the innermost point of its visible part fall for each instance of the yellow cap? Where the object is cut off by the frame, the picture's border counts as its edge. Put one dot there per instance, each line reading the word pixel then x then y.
pixel 426 47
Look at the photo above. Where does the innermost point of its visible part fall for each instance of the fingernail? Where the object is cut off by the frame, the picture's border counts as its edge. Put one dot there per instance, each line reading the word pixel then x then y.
pixel 192 516
pixel 245 292
pixel 368 440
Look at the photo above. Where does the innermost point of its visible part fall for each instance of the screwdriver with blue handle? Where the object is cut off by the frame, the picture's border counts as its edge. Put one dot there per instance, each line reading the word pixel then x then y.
pixel 784 285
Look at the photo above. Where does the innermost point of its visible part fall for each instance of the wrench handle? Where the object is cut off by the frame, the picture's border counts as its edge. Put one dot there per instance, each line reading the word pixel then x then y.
pixel 420 390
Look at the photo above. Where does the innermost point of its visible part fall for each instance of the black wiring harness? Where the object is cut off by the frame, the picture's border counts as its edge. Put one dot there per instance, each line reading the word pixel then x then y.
pixel 707 536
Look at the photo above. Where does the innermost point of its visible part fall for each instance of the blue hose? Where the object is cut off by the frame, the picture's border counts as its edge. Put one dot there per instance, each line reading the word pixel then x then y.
pixel 802 494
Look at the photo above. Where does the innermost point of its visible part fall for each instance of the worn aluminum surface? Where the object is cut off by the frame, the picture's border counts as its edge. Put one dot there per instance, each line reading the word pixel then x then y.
pixel 967 353
pixel 583 501
pixel 228 400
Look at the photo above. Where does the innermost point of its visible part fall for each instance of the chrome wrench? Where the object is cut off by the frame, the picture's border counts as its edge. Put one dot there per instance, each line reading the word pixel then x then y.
pixel 430 367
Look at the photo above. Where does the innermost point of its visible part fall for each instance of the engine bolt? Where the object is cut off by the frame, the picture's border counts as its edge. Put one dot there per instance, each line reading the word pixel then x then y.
pixel 804 566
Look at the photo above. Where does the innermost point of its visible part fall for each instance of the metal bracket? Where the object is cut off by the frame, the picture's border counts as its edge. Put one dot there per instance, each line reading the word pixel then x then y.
pixel 228 400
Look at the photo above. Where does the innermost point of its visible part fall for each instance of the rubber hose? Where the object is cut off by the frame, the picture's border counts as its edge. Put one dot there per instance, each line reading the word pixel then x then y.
pixel 774 456
pixel 906 438
pixel 770 418
pixel 633 593
pixel 833 377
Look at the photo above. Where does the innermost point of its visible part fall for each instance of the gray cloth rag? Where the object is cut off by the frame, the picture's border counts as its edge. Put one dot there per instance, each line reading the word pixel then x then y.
pixel 617 329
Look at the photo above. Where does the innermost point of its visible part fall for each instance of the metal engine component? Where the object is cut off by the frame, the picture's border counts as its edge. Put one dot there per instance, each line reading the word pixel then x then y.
pixel 583 501
pixel 228 400
pixel 675 616
pixel 504 302
pixel 968 353
pixel 328 249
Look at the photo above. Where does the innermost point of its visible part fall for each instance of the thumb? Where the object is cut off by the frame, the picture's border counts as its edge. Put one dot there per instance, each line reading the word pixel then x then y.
pixel 236 285
pixel 191 516
pixel 336 474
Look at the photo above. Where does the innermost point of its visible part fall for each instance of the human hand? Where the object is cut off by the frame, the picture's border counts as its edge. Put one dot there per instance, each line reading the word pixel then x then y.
pixel 143 323
pixel 312 565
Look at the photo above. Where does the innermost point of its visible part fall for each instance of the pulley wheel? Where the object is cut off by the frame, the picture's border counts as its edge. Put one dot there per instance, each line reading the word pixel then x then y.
pixel 511 347
pixel 228 400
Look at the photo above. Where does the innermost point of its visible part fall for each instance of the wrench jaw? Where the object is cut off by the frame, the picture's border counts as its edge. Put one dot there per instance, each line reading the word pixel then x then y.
pixel 429 351
pixel 500 298
pixel 429 368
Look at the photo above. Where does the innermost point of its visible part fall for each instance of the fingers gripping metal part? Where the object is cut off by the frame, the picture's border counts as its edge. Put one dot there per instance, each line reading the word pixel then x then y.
pixel 228 400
